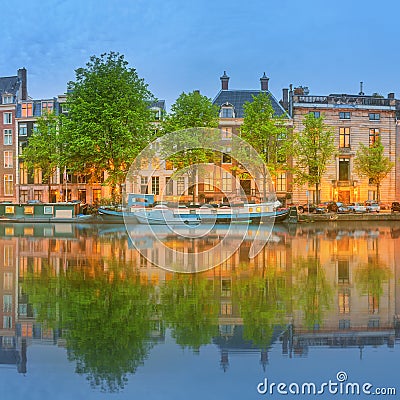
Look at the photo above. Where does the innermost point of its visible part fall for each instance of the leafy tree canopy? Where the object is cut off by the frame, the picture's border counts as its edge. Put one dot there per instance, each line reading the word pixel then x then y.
pixel 108 121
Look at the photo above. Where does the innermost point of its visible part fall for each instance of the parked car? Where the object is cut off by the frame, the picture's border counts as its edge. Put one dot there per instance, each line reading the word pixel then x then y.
pixel 395 206
pixel 358 208
pixel 372 206
pixel 345 208
pixel 308 207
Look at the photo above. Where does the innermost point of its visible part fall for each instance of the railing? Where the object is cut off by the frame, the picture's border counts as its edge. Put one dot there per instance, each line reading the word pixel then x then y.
pixel 345 99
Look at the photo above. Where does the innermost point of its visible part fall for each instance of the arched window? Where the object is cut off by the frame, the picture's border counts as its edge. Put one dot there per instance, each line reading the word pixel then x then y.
pixel 227 111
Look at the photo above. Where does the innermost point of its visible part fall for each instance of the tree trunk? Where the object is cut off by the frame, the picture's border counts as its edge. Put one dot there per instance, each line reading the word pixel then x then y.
pixel 49 189
pixel 317 193
pixel 378 192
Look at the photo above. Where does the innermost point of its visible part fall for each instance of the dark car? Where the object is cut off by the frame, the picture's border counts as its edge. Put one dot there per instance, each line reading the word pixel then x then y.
pixel 395 206
pixel 308 207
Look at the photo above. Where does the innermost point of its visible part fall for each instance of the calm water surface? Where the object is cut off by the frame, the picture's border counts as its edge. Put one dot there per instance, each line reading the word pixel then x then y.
pixel 86 316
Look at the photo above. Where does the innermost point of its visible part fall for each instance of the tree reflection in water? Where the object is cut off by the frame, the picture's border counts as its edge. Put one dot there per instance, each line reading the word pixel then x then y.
pixel 106 314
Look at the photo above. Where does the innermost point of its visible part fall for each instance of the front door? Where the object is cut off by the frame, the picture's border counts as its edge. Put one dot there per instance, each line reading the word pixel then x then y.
pixel 344 196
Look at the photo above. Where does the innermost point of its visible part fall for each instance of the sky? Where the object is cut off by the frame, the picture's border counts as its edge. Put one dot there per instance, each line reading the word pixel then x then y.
pixel 179 46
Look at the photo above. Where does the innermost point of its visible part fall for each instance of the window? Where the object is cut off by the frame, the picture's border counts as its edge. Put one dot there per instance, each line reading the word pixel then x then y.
pixel 344 324
pixel 8 281
pixel 226 182
pixel 226 308
pixel 373 304
pixel 7 322
pixel 281 182
pixel 344 301
pixel 7 138
pixel 8 99
pixel 344 138
pixel 8 256
pixel 143 184
pixel 343 271
pixel 226 132
pixel 226 157
pixel 8 159
pixel 23 130
pixel 344 115
pixel 373 136
pixel 155 184
pixel 227 112
pixel 169 187
pixel 374 116
pixel 8 185
pixel 7 303
pixel 26 110
pixel 180 185
pixel 209 182
pixel 47 107
pixel 7 118
pixel 37 194
pixel 344 169
pixel 316 114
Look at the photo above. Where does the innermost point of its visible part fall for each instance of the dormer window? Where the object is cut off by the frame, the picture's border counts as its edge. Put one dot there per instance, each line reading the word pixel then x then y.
pixel 8 98
pixel 156 113
pixel 227 111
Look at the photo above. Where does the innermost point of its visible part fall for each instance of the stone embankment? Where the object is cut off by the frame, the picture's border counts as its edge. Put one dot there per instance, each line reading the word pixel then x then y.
pixel 382 216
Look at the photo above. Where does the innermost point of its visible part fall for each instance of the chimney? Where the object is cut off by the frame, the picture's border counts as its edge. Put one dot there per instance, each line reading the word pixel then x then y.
pixel 224 81
pixel 285 98
pixel 391 95
pixel 264 82
pixel 361 89
pixel 23 87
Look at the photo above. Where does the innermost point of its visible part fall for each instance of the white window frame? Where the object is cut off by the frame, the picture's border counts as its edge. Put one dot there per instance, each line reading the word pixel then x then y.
pixel 8 180
pixel 25 129
pixel 7 137
pixel 7 118
pixel 8 159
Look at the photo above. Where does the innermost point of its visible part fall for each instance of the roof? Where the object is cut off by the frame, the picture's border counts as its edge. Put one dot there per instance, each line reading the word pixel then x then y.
pixel 159 104
pixel 9 85
pixel 237 98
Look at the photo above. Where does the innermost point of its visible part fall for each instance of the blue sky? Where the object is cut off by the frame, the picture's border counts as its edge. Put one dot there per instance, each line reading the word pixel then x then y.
pixel 185 45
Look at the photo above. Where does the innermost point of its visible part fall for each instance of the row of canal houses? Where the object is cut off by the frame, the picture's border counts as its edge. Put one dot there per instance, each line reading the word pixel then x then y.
pixel 355 119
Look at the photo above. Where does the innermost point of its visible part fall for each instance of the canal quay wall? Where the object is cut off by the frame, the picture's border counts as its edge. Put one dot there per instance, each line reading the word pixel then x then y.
pixel 349 217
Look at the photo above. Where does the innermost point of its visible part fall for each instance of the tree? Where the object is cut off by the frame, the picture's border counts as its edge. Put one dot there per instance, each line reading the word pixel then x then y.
pixel 371 163
pixel 43 149
pixel 190 110
pixel 108 121
pixel 265 131
pixel 312 148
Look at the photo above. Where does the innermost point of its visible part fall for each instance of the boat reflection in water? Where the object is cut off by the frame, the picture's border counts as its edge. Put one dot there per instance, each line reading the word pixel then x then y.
pixel 90 290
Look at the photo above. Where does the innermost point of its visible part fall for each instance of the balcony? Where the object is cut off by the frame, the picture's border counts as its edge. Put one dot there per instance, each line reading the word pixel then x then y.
pixel 338 183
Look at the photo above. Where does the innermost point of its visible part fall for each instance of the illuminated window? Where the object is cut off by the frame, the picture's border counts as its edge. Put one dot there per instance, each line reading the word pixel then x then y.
pixel 226 308
pixel 344 137
pixel 373 136
pixel 8 185
pixel 209 182
pixel 180 184
pixel 226 132
pixel 7 118
pixel 226 182
pixel 47 107
pixel 373 304
pixel 26 110
pixel 8 281
pixel 8 159
pixel 7 137
pixel 281 182
pixel 344 302
pixel 8 256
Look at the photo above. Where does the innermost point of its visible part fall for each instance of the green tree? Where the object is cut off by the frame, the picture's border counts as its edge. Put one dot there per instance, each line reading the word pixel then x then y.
pixel 106 316
pixel 191 110
pixel 190 310
pixel 108 121
pixel 312 149
pixel 371 163
pixel 266 132
pixel 43 149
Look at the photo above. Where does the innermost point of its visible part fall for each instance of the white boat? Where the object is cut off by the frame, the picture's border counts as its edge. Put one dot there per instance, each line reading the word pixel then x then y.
pixel 165 216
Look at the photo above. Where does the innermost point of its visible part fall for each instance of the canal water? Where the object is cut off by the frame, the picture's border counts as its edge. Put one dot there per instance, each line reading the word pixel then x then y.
pixel 86 315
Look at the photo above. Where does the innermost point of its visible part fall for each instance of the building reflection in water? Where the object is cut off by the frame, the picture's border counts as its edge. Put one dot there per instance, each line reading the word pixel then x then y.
pixel 88 289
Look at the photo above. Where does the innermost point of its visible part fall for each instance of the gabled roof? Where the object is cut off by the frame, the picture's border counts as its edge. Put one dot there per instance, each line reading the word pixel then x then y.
pixel 159 104
pixel 237 98
pixel 9 85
